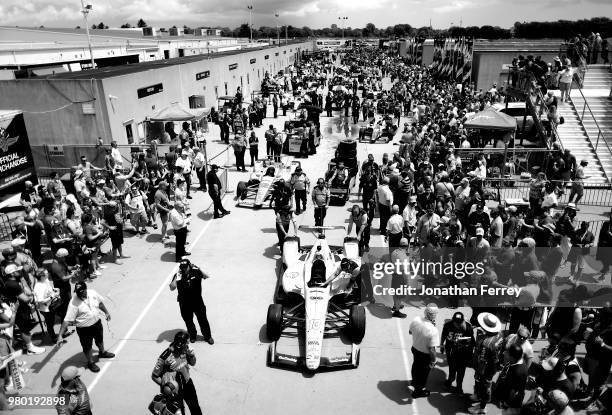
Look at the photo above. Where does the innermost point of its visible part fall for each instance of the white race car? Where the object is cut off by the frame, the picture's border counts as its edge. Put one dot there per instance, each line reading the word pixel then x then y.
pixel 320 304
pixel 258 190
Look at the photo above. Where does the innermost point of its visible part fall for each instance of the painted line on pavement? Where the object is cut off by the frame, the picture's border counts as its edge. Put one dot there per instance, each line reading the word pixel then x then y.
pixel 400 333
pixel 143 313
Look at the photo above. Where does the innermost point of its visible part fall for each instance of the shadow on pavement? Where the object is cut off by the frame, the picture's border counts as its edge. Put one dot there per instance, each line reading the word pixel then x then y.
pixel 168 256
pixel 167 335
pixel 272 252
pixel 447 404
pixel 77 360
pixel 396 390
pixel 263 337
pixel 268 230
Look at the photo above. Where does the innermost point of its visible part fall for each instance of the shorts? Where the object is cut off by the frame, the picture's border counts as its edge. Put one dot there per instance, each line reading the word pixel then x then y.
pixel 90 333
pixel 163 216
pixel 564 86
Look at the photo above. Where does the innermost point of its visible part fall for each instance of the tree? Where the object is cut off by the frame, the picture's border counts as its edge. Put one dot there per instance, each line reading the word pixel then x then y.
pixel 101 25
pixel 243 30
pixel 141 23
pixel 126 26
pixel 369 30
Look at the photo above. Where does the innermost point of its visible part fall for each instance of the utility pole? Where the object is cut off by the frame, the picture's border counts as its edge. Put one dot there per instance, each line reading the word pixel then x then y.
pixel 250 22
pixel 342 24
pixel 85 9
pixel 277 30
pixel 286 38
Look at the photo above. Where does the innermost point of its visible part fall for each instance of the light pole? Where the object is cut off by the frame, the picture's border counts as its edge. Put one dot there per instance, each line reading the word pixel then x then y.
pixel 250 21
pixel 85 9
pixel 277 30
pixel 342 23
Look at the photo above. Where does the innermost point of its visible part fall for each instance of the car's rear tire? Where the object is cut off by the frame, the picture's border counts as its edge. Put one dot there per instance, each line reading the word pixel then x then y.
pixel 241 190
pixel 357 323
pixel 274 321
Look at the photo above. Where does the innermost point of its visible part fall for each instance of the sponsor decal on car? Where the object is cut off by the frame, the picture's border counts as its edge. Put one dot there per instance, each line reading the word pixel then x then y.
pixel 313 297
pixel 287 358
pixel 338 359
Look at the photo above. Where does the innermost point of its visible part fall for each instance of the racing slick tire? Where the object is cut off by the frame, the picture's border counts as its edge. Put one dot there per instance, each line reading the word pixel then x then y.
pixel 241 190
pixel 274 321
pixel 357 323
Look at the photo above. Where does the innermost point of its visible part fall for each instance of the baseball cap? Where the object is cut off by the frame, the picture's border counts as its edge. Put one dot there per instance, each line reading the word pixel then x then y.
pixel 11 268
pixel 185 263
pixel 80 286
pixel 61 253
pixel 479 232
pixel 458 317
pixel 70 372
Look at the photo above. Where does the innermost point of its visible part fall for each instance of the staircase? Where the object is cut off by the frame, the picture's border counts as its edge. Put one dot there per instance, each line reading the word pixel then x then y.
pixel 591 105
pixel 574 137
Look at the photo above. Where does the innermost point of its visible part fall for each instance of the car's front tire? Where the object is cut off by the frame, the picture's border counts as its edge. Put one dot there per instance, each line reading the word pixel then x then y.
pixel 357 323
pixel 274 321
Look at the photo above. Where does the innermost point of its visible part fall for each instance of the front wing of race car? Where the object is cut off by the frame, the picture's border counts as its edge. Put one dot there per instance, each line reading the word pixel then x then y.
pixel 332 356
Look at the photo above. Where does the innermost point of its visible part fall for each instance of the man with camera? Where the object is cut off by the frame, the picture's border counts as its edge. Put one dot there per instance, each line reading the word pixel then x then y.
pixel 175 361
pixel 188 282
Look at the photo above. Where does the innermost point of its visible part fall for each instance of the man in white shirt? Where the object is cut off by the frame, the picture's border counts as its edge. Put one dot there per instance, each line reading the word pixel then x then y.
pixel 185 162
pixel 384 197
pixel 410 217
pixel 116 156
pixel 199 164
pixel 85 310
pixel 425 339
pixel 79 183
pixel 395 228
pixel 179 223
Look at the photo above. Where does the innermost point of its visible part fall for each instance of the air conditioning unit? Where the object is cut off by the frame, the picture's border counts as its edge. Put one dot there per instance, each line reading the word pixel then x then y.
pixel 149 31
pixel 175 31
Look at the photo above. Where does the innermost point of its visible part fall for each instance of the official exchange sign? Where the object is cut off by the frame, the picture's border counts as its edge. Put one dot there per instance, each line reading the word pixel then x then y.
pixel 16 162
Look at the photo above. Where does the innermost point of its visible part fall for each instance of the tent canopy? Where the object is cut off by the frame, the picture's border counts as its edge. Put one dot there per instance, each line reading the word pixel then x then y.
pixel 178 112
pixel 490 119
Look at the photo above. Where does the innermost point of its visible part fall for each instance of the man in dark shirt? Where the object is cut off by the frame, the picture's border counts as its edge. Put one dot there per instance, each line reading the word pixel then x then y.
pixel 188 282
pixel 214 191
pixel 512 380
pixel 458 342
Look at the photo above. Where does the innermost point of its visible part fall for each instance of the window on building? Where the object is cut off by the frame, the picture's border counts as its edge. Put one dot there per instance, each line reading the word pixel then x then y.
pixel 181 53
pixel 226 93
pixel 166 54
pixel 216 92
pixel 248 80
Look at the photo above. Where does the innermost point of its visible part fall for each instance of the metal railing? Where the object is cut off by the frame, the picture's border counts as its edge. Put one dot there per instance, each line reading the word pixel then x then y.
pixel 585 107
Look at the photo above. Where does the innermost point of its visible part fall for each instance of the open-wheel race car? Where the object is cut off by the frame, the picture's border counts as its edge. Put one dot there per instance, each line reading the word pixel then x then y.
pixel 318 304
pixel 378 129
pixel 341 182
pixel 257 192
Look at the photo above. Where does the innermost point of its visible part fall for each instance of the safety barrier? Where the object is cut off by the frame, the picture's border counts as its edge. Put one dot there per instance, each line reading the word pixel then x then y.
pixel 594 194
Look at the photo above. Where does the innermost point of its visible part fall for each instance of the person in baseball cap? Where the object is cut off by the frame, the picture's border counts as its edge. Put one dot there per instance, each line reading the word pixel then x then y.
pixel 73 390
pixel 457 340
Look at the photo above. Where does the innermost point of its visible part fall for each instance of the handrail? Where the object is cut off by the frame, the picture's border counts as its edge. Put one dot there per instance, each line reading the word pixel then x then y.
pixel 600 133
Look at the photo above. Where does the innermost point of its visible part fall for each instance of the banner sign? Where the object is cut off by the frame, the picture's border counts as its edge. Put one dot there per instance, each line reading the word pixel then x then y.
pixel 233 66
pixel 202 75
pixel 150 90
pixel 16 161
pixel 453 59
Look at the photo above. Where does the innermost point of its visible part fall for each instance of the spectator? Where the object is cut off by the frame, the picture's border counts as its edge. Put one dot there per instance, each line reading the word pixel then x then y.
pixel 179 224
pixel 320 199
pixel 72 394
pixel 425 339
pixel 214 191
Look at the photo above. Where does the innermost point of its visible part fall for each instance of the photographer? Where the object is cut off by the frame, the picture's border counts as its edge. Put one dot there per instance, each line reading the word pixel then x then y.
pixel 188 282
pixel 177 358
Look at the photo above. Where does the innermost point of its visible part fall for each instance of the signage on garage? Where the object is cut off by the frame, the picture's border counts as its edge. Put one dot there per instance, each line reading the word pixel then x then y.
pixel 267 57
pixel 16 161
pixel 233 66
pixel 150 90
pixel 276 54
pixel 202 75
pixel 253 60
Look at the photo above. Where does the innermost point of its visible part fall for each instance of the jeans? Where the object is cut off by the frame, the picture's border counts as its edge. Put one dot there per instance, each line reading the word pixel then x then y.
pixel 181 238
pixel 190 397
pixel 456 369
pixel 218 207
pixel 319 215
pixel 385 214
pixel 254 152
pixel 197 307
pixel 420 369
pixel 300 196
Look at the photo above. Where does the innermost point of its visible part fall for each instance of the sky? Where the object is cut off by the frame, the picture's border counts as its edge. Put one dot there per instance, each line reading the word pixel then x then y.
pixel 312 13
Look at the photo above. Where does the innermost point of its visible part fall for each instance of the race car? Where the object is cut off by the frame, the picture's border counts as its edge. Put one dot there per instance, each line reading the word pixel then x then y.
pixel 258 190
pixel 319 306
pixel 377 129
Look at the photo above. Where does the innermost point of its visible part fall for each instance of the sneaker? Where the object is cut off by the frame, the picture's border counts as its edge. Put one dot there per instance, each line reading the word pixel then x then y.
pixel 93 367
pixel 35 349
pixel 192 339
pixel 477 410
pixel 210 341
pixel 189 197
pixel 420 393
pixel 102 267
pixel 106 355
pixel 398 314
pixel 96 273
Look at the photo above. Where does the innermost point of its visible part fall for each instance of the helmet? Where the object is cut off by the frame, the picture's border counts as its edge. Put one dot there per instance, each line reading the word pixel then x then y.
pixel 558 399
pixel 344 263
pixel 181 338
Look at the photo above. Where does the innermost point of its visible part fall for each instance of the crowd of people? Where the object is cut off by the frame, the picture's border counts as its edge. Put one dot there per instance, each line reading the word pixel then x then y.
pixel 431 205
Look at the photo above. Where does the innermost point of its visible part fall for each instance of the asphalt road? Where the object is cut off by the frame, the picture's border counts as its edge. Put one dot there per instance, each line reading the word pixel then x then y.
pixel 239 253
